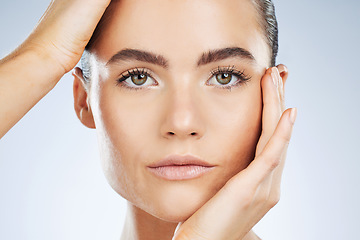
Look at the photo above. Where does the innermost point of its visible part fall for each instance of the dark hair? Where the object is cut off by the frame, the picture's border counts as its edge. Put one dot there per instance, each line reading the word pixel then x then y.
pixel 267 22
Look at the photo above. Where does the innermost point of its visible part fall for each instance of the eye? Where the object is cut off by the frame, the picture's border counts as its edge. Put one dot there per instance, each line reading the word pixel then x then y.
pixel 227 77
pixel 136 79
pixel 139 79
pixel 223 78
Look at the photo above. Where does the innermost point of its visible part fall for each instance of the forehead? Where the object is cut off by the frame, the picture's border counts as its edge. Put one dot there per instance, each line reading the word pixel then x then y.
pixel 180 29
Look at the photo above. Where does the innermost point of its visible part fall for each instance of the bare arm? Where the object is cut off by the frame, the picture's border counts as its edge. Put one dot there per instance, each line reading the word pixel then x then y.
pixel 25 77
pixel 51 50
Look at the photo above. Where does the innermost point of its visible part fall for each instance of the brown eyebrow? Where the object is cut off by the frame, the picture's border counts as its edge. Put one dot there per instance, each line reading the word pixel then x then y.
pixel 223 53
pixel 206 58
pixel 140 55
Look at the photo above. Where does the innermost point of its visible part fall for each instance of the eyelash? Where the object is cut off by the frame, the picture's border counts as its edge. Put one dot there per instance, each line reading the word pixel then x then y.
pixel 242 77
pixel 130 73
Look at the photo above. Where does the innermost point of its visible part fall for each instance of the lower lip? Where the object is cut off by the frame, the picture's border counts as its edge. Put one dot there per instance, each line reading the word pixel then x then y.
pixel 179 172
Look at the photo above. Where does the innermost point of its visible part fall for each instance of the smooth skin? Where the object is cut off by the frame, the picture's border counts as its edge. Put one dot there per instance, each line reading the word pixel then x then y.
pixel 57 45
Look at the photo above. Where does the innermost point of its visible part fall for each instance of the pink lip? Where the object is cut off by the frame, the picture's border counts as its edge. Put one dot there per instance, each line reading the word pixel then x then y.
pixel 176 167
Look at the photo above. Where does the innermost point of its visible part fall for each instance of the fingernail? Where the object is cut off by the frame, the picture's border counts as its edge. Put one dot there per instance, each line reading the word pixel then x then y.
pixel 293 115
pixel 273 77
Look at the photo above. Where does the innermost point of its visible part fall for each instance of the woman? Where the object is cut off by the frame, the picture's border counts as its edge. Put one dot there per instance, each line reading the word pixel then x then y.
pixel 186 101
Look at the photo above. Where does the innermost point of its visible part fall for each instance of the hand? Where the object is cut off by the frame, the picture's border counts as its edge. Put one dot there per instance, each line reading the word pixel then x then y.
pixel 250 194
pixel 64 30
pixel 52 49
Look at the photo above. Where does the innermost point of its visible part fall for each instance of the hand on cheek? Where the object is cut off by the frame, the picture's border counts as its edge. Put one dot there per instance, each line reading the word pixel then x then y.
pixel 250 194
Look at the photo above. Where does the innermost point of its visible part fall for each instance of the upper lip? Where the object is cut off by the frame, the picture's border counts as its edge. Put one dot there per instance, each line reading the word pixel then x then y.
pixel 178 160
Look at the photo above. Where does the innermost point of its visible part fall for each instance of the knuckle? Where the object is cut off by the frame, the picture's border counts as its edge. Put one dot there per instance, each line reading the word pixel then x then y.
pixel 273 200
pixel 247 200
pixel 262 199
pixel 273 162
pixel 269 161
pixel 285 139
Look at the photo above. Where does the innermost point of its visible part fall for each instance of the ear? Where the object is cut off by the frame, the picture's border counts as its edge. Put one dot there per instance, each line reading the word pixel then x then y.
pixel 284 73
pixel 81 103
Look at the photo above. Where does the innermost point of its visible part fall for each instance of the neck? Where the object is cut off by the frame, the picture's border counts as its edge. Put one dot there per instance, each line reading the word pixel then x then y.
pixel 139 225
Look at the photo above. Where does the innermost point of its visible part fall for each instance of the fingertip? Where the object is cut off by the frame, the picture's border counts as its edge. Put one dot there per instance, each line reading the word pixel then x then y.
pixel 283 72
pixel 269 76
pixel 293 115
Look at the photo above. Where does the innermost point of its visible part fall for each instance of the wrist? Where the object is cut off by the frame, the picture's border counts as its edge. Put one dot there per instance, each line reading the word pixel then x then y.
pixel 44 58
pixel 27 65
pixel 34 63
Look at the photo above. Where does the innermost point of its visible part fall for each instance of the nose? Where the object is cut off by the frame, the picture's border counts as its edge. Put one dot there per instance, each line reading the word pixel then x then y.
pixel 182 116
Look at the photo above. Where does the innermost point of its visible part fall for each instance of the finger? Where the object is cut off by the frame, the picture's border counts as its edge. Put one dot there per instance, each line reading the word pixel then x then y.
pixel 270 187
pixel 270 85
pixel 271 156
pixel 276 178
pixel 60 16
pixel 283 74
pixel 176 229
pixel 56 36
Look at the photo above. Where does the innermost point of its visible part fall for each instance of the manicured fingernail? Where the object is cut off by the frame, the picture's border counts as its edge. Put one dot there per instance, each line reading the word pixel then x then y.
pixel 293 115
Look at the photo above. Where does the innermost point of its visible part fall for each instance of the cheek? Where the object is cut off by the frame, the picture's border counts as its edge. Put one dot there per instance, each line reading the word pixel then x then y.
pixel 237 128
pixel 122 127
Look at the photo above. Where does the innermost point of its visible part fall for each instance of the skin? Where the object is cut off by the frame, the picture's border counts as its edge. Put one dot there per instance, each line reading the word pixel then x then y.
pixel 133 126
pixel 137 128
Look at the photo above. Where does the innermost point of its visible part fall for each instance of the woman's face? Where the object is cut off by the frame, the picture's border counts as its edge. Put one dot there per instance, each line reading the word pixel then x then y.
pixel 184 57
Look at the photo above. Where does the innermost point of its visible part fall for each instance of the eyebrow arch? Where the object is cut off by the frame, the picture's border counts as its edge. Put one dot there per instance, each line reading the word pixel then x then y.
pixel 223 53
pixel 140 55
pixel 206 58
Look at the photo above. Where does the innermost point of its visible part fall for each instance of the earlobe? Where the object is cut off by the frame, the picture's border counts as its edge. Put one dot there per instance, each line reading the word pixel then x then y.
pixel 81 104
pixel 284 73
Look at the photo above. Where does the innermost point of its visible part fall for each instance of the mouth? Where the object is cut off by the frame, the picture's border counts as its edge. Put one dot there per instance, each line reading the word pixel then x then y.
pixel 176 167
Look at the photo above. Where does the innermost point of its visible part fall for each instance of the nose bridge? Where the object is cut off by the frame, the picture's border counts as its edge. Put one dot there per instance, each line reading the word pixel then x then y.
pixel 183 116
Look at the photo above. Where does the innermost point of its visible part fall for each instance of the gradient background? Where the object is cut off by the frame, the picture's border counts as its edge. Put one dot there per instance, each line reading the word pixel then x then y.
pixel 51 182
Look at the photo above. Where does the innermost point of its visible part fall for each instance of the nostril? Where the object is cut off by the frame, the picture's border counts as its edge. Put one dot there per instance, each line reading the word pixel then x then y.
pixel 193 133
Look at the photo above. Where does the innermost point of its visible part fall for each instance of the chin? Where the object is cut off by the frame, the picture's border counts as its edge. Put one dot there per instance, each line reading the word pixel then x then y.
pixel 181 200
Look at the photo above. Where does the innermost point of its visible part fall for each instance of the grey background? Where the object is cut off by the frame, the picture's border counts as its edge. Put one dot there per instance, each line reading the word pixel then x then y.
pixel 52 186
